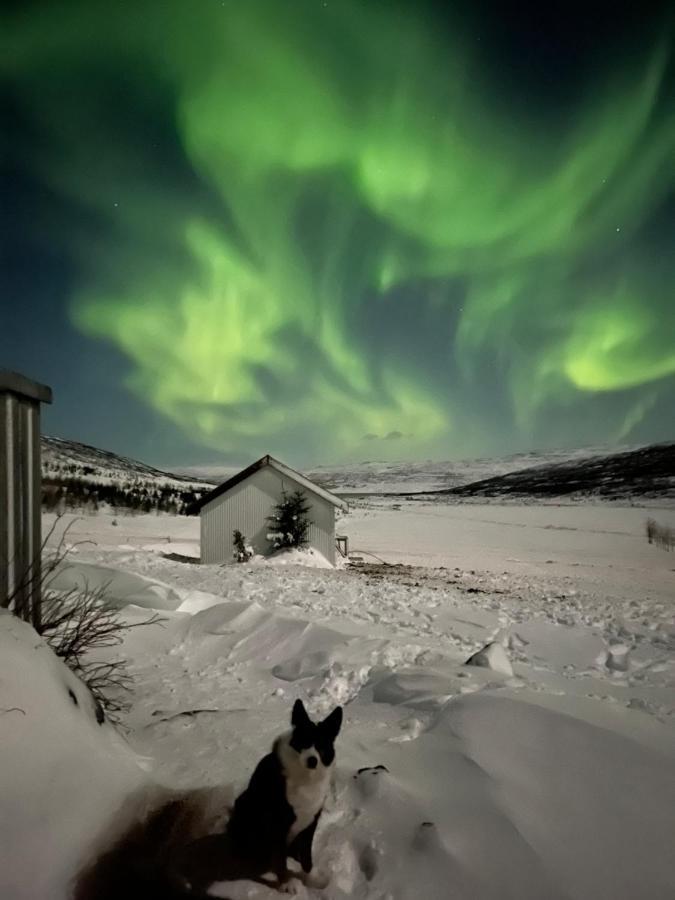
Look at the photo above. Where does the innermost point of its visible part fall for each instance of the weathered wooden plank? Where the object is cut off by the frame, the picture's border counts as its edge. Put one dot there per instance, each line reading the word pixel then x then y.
pixel 20 493
pixel 24 533
pixel 4 498
pixel 35 524
pixel 18 550
pixel 12 382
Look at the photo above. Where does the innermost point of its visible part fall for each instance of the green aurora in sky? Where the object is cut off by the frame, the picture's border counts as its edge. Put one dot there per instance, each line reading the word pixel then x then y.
pixel 379 244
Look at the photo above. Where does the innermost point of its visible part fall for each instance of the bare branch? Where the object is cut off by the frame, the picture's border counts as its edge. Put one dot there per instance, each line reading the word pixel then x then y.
pixel 79 624
pixel 661 535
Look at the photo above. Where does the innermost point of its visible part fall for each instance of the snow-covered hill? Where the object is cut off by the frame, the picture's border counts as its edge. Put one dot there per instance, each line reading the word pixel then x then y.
pixel 92 476
pixel 376 477
pixel 382 477
pixel 76 475
pixel 646 472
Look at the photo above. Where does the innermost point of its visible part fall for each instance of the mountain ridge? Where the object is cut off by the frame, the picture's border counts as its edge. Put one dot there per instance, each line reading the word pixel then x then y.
pixel 642 472
pixel 77 475
pixel 80 476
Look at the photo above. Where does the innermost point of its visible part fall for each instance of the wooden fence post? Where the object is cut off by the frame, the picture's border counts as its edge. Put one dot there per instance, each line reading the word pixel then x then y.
pixel 20 494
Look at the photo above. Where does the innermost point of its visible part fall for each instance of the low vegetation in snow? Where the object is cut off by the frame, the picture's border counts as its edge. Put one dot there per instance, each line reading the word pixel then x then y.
pixel 661 535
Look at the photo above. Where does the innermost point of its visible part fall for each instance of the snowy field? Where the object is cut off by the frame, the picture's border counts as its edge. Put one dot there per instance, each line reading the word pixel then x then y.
pixel 549 775
pixel 600 547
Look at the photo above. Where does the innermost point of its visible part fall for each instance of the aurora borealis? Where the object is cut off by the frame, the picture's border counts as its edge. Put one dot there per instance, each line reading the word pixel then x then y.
pixel 343 229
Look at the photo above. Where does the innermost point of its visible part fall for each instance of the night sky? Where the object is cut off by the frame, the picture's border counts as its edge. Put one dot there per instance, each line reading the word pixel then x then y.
pixel 337 230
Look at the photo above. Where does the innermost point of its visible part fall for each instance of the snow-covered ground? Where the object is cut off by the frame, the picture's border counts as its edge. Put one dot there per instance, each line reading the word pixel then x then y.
pixel 599 549
pixel 551 775
pixel 585 548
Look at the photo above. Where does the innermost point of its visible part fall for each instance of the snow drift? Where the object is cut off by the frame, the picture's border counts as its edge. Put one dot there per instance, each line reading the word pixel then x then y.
pixel 62 774
pixel 552 776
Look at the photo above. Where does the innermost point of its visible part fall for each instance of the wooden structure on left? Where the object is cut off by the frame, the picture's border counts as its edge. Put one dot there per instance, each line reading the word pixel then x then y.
pixel 21 494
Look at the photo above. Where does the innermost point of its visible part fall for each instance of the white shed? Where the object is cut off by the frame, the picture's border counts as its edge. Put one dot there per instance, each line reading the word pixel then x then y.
pixel 245 501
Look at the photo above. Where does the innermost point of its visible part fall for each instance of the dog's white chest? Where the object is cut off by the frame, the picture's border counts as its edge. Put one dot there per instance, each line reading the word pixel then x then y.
pixel 307 799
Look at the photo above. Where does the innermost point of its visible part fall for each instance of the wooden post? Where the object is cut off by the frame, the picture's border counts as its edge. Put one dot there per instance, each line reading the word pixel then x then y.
pixel 342 543
pixel 21 494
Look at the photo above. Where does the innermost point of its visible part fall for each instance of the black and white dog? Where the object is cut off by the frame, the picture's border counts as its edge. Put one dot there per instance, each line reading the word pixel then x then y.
pixel 276 816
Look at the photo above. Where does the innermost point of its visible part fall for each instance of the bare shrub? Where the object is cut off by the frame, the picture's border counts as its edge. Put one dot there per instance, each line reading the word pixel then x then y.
pixel 35 577
pixel 650 528
pixel 661 535
pixel 242 551
pixel 79 622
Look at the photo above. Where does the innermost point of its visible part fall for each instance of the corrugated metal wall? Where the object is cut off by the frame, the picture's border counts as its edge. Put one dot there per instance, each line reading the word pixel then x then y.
pixel 247 506
pixel 322 530
pixel 20 522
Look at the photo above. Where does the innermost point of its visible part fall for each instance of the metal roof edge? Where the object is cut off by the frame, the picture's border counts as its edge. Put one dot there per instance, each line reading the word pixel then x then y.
pixel 14 383
pixel 280 467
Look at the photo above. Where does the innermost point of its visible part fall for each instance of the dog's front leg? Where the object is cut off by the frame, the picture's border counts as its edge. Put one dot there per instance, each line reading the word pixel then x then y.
pixel 301 848
pixel 279 864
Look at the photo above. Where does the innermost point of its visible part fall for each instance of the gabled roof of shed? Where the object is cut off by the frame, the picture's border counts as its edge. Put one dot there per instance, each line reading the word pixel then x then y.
pixel 289 473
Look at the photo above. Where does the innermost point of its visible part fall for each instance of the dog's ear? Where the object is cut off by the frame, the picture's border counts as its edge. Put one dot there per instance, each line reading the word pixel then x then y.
pixel 299 717
pixel 332 724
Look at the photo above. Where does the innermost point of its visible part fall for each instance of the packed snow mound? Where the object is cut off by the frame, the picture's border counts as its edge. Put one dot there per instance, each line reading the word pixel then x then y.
pixel 189 550
pixel 596 810
pixel 62 774
pixel 617 658
pixel 120 588
pixel 297 556
pixel 492 656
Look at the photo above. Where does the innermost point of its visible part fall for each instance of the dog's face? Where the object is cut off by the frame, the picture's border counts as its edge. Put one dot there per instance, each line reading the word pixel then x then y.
pixel 313 741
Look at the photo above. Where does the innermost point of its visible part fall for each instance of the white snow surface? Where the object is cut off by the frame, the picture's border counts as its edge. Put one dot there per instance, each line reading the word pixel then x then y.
pixel 297 556
pixel 62 775
pixel 555 781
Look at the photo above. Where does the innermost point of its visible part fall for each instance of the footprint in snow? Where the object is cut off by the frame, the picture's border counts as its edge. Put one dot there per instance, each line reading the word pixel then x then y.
pixel 427 839
pixel 369 860
pixel 369 780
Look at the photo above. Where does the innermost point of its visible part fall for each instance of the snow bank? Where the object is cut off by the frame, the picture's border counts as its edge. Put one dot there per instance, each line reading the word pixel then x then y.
pixel 121 588
pixel 297 556
pixel 187 549
pixel 552 779
pixel 492 656
pixel 62 775
pixel 453 781
pixel 596 809
pixel 498 799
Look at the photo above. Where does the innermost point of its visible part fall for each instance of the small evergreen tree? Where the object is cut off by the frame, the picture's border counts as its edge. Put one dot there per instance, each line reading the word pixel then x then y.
pixel 242 552
pixel 288 523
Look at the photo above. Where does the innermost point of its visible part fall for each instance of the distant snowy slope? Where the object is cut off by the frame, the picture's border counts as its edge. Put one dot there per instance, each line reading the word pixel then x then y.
pixel 213 474
pixel 76 474
pixel 643 472
pixel 382 477
pixel 376 477
pixel 589 471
